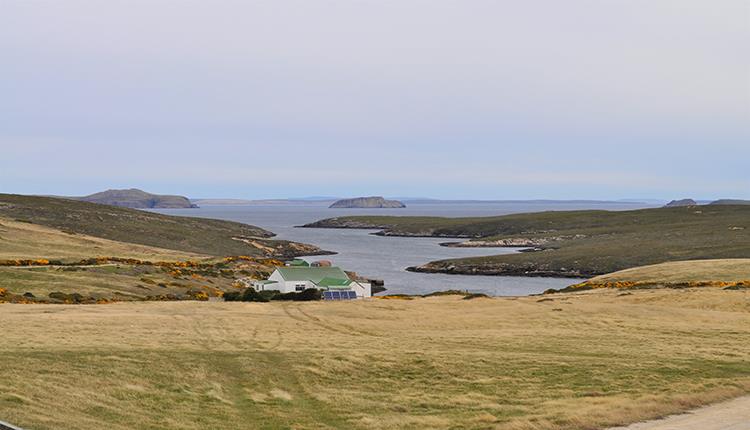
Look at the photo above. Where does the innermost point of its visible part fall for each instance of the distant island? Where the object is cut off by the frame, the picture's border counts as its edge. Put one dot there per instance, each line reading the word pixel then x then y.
pixel 681 203
pixel 367 203
pixel 720 202
pixel 137 199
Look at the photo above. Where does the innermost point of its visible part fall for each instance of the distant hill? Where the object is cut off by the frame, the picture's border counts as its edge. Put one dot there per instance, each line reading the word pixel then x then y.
pixel 730 202
pixel 187 234
pixel 681 203
pixel 367 202
pixel 137 199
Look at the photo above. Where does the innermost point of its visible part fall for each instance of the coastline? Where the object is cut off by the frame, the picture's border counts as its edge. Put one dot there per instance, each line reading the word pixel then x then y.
pixel 449 268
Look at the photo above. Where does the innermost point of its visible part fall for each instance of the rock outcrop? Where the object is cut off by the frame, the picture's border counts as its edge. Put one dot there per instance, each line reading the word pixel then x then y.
pixel 368 203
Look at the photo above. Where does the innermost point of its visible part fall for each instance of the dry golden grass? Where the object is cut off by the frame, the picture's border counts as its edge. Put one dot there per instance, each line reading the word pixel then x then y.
pixel 680 272
pixel 21 240
pixel 575 361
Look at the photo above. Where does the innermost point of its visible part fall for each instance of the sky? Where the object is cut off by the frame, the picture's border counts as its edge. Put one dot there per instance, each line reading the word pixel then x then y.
pixel 575 99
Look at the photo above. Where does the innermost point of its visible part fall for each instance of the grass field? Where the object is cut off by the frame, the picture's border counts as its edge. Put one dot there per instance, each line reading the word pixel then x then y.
pixel 682 272
pixel 578 361
pixel 184 234
pixel 581 243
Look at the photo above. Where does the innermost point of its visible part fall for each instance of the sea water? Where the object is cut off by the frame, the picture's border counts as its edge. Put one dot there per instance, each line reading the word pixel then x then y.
pixel 386 258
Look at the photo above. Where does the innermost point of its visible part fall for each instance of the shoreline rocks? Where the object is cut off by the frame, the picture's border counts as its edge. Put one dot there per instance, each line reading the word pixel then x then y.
pixel 512 242
pixel 505 270
pixel 518 242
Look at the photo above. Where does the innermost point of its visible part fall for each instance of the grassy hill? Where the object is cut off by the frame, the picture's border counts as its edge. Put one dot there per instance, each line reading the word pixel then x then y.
pixel 578 243
pixel 23 240
pixel 105 253
pixel 727 273
pixel 185 234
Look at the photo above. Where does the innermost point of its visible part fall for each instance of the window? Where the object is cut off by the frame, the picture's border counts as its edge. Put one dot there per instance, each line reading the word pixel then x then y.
pixel 299 287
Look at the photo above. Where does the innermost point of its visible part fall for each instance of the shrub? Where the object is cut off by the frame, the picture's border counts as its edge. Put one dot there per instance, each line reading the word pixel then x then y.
pixel 447 293
pixel 475 296
pixel 198 295
pixel 250 295
pixel 309 294
pixel 233 296
pixel 284 296
pixel 74 298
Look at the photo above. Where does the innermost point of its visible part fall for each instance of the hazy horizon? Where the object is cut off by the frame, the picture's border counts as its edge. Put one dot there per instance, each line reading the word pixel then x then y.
pixel 625 99
pixel 328 198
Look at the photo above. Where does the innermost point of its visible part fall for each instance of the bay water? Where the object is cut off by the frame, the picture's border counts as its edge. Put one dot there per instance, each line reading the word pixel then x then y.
pixel 386 258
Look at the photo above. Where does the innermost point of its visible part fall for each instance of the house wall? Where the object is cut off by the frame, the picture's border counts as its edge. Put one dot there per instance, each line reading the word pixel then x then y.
pixel 276 276
pixel 287 286
pixel 363 289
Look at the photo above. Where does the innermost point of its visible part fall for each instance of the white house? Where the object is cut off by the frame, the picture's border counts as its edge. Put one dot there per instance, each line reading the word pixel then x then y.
pixel 296 279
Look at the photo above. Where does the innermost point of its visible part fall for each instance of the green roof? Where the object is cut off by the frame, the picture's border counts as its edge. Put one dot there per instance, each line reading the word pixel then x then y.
pixel 334 282
pixel 299 263
pixel 314 274
pixel 338 287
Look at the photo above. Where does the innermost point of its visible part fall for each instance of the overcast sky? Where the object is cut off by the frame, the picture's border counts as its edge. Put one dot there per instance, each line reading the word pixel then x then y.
pixel 439 98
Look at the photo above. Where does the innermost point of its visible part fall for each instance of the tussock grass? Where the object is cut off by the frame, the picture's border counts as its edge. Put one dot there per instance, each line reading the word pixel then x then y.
pixel 600 359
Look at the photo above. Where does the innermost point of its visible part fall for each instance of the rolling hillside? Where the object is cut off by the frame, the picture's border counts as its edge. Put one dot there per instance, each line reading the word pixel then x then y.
pixel 23 240
pixel 192 235
pixel 64 251
pixel 727 273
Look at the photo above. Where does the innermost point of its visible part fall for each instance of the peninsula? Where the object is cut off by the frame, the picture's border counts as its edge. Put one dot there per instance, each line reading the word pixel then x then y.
pixel 575 243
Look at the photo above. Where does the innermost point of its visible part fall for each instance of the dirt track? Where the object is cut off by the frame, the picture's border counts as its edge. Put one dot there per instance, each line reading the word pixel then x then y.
pixel 731 415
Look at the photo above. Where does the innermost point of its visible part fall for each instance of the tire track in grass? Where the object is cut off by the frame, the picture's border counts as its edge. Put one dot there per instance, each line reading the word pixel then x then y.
pixel 348 329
